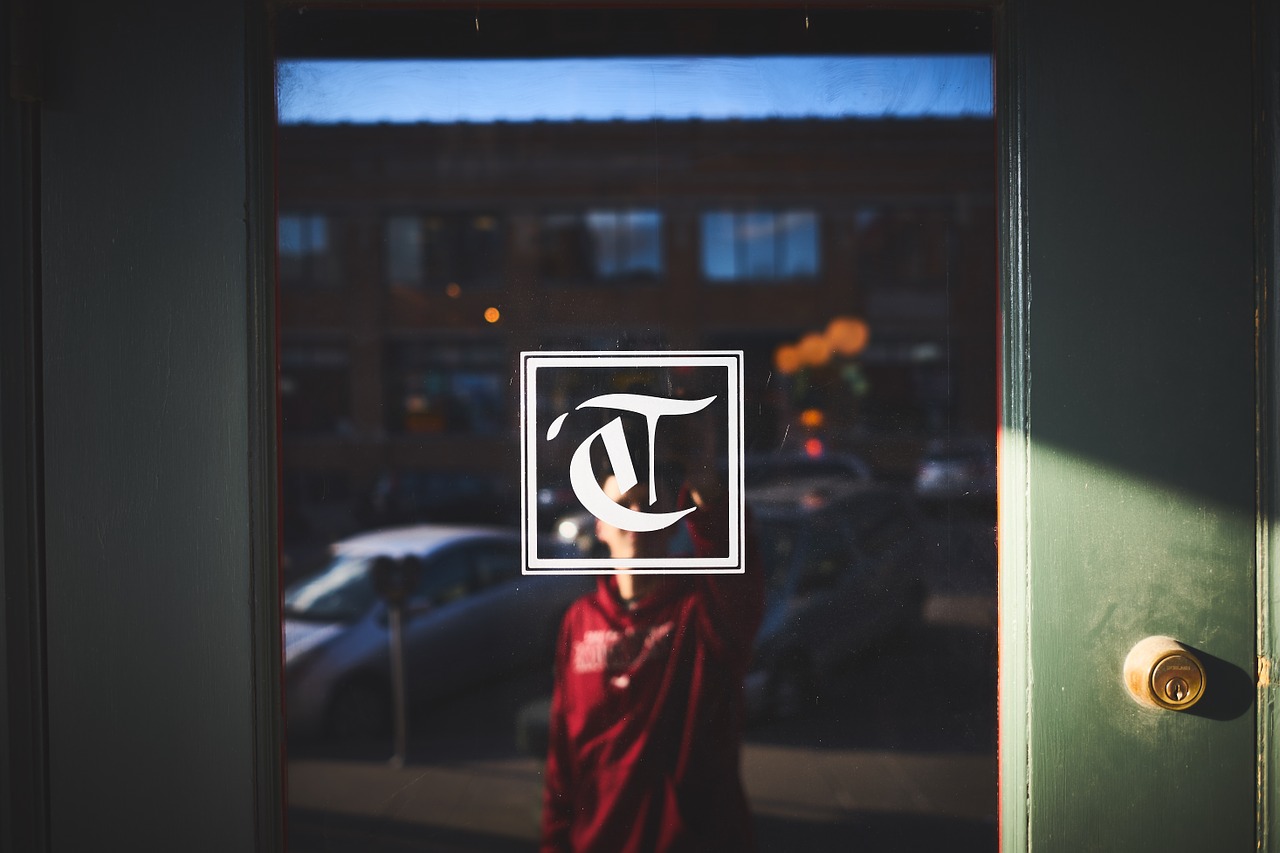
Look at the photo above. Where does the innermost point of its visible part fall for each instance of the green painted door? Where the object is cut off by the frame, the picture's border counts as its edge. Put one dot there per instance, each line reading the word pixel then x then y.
pixel 1129 502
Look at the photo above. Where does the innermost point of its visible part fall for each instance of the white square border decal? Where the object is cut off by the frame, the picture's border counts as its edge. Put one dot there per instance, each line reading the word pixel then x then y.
pixel 531 431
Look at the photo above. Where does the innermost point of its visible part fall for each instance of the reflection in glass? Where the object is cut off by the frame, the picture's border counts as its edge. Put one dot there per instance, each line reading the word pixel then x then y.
pixel 759 245
pixel 626 244
pixel 302 235
pixel 600 245
pixel 446 388
pixel 314 388
pixel 681 88
pixel 833 218
pixel 306 256
pixel 440 249
pixel 341 593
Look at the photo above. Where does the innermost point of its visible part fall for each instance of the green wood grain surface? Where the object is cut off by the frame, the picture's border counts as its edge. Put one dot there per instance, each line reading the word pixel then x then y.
pixel 1129 503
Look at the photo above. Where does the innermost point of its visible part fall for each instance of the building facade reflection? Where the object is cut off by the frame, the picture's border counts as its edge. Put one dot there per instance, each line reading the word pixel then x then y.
pixel 418 261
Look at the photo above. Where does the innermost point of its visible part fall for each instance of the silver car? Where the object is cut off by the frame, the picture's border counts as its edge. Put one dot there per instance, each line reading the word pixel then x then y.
pixel 469 617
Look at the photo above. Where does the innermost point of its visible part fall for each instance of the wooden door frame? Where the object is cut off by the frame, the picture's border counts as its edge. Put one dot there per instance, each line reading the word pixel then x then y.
pixel 1267 168
pixel 1049 53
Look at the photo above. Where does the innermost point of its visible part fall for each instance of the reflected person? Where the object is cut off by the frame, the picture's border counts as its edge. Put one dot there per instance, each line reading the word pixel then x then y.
pixel 648 715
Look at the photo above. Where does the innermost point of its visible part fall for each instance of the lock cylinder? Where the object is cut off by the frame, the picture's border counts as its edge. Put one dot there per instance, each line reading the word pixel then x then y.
pixel 1160 672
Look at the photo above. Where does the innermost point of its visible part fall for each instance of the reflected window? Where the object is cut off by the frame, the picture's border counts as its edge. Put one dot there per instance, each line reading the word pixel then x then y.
pixel 759 245
pixel 905 244
pixel 441 388
pixel 435 495
pixel 307 257
pixel 600 245
pixel 315 389
pixel 444 250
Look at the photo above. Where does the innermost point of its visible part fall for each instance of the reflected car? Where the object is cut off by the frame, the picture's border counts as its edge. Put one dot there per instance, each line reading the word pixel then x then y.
pixel 843 569
pixel 955 470
pixel 469 617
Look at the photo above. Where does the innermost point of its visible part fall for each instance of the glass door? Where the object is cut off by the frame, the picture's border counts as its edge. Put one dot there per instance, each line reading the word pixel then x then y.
pixel 815 191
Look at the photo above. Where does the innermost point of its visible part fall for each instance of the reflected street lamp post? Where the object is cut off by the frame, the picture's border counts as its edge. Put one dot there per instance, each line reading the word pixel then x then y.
pixel 395 638
pixel 394 579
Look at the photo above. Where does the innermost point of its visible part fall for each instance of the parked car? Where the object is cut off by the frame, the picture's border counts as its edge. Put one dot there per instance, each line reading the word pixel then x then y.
pixel 470 616
pixel 843 568
pixel 956 469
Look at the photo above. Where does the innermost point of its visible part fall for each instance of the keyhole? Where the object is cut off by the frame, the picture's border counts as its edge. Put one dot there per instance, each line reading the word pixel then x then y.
pixel 1176 689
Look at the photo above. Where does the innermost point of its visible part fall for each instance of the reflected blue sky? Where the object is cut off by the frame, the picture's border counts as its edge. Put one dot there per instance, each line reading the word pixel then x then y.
pixel 633 89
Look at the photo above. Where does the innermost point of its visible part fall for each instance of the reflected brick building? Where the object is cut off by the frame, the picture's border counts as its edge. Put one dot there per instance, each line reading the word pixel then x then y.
pixel 418 261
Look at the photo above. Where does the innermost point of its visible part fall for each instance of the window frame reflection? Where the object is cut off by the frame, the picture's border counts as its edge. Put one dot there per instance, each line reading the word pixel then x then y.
pixel 760 245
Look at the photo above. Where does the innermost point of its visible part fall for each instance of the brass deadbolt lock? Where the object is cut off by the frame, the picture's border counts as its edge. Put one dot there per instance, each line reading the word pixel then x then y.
pixel 1160 672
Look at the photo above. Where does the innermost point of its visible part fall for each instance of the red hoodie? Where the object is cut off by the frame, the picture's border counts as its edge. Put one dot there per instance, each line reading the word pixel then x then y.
pixel 647 715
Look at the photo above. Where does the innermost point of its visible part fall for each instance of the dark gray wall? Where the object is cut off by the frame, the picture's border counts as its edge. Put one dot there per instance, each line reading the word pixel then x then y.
pixel 154 564
pixel 22 812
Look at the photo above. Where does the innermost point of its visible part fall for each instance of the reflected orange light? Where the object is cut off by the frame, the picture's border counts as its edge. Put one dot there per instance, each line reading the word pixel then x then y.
pixel 492 315
pixel 814 350
pixel 453 290
pixel 812 418
pixel 848 335
pixel 786 359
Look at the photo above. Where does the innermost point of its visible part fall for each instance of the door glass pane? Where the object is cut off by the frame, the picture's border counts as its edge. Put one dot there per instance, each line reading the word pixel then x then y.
pixel 813 190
